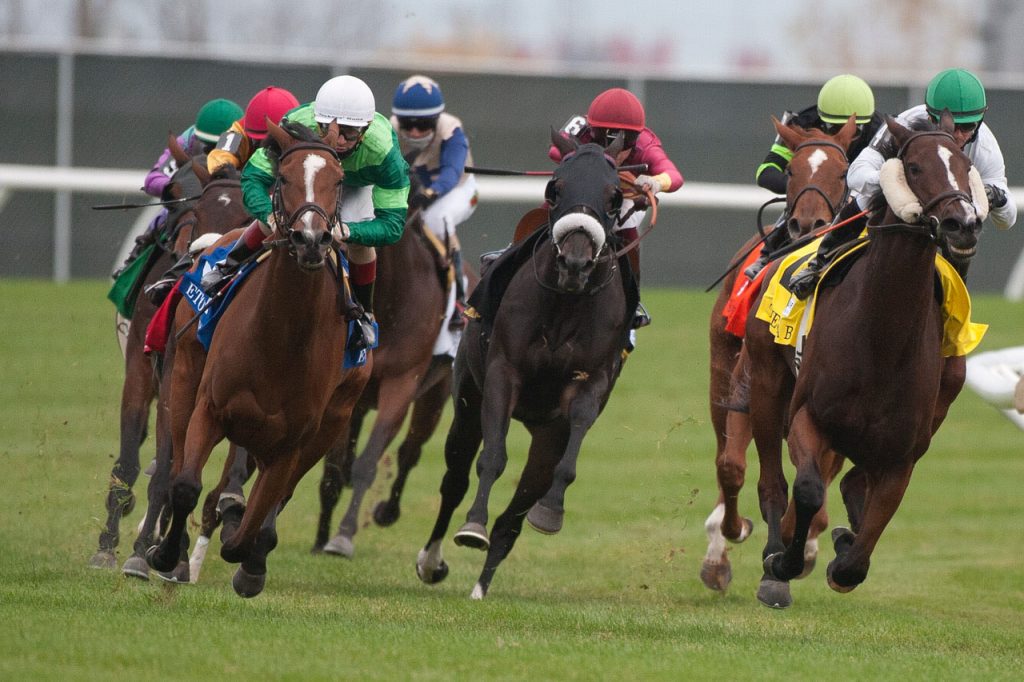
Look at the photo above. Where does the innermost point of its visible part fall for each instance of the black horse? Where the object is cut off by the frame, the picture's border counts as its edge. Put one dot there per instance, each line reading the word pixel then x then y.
pixel 548 355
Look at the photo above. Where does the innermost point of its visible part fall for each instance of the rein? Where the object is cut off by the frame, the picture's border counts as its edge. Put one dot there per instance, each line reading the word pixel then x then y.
pixel 589 292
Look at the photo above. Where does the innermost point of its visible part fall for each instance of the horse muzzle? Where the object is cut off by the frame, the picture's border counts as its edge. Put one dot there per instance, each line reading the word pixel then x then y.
pixel 310 247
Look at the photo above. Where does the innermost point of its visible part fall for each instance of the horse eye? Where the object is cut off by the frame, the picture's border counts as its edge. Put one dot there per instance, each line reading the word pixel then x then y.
pixel 913 169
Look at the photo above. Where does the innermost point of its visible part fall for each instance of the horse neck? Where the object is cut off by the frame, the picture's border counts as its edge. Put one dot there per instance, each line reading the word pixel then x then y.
pixel 287 299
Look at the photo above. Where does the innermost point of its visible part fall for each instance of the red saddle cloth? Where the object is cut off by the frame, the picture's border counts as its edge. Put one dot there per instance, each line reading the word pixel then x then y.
pixel 744 291
pixel 159 329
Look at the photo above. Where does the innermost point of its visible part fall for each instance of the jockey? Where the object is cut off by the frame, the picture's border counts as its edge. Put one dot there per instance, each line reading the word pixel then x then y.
pixel 959 91
pixel 376 185
pixel 212 119
pixel 434 143
pixel 239 138
pixel 617 112
pixel 248 133
pixel 839 98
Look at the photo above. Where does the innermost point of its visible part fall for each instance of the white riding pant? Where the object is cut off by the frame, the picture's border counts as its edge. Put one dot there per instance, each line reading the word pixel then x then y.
pixel 453 209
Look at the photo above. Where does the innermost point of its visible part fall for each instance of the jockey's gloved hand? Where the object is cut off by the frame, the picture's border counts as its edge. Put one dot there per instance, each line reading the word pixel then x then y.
pixel 341 232
pixel 165 193
pixel 422 199
pixel 646 182
pixel 996 196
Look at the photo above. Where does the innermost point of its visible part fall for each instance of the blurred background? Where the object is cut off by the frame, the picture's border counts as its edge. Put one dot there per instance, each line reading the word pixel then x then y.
pixel 97 84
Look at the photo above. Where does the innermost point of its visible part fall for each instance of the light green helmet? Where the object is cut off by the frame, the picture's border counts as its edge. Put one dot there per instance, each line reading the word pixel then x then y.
pixel 845 95
pixel 958 90
pixel 215 117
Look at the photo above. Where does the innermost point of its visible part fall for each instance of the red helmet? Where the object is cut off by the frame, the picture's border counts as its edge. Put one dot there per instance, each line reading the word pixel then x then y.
pixel 270 102
pixel 616 108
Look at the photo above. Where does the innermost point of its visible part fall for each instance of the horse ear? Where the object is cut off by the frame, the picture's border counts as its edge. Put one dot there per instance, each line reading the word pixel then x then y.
pixel 551 192
pixel 788 134
pixel 201 172
pixel 616 146
pixel 333 131
pixel 846 134
pixel 563 143
pixel 898 132
pixel 280 135
pixel 176 151
pixel 946 122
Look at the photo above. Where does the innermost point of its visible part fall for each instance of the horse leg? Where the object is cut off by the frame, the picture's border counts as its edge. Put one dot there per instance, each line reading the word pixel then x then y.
pixel 854 489
pixel 426 413
pixel 853 551
pixel 136 396
pixel 204 432
pixel 807 447
pixel 548 443
pixel 460 448
pixel 223 507
pixel 394 398
pixel 337 472
pixel 501 390
pixel 954 374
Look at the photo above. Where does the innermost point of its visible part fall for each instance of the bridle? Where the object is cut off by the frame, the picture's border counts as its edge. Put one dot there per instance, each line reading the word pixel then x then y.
pixel 833 208
pixel 286 221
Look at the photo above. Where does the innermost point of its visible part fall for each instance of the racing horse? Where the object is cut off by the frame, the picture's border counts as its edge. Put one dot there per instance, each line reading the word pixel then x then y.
pixel 549 358
pixel 411 304
pixel 815 193
pixel 873 386
pixel 185 222
pixel 273 381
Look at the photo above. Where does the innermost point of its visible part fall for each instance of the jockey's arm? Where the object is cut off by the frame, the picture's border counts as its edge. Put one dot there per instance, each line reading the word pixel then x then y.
pixel 454 152
pixel 257 179
pixel 230 148
pixel 988 158
pixel 390 180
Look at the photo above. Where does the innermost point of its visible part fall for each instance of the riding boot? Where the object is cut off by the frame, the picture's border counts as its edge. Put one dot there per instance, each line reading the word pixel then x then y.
pixel 141 242
pixel 246 245
pixel 774 241
pixel 366 333
pixel 458 320
pixel 804 282
pixel 158 290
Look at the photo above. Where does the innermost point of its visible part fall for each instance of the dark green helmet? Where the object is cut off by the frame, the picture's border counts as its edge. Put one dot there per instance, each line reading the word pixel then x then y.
pixel 215 117
pixel 958 90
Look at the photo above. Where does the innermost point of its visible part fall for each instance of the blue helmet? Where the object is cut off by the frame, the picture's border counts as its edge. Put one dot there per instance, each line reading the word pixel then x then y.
pixel 417 97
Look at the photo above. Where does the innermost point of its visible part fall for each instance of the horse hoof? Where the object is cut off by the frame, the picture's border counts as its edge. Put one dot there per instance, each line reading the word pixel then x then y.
pixel 842 538
pixel 716 575
pixel 340 545
pixel 434 575
pixel 179 575
pixel 155 562
pixel 768 565
pixel 103 559
pixel 544 520
pixel 150 468
pixel 473 535
pixel 385 514
pixel 128 504
pixel 745 531
pixel 774 594
pixel 808 567
pixel 246 584
pixel 478 593
pixel 842 589
pixel 136 567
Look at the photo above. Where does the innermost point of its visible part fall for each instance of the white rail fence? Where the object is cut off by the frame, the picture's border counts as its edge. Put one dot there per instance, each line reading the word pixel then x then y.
pixel 66 180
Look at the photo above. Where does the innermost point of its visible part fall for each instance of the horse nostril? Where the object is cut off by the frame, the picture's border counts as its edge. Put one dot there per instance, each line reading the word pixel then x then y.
pixel 296 238
pixel 325 238
pixel 819 223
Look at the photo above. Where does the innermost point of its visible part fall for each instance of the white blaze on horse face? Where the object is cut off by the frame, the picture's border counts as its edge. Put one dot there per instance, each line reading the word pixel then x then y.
pixel 312 165
pixel 818 157
pixel 946 155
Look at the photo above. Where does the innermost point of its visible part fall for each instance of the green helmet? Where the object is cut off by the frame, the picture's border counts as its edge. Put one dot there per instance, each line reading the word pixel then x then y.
pixel 845 95
pixel 215 117
pixel 958 90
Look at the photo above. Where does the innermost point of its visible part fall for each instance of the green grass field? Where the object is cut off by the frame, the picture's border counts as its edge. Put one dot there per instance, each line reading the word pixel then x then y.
pixel 616 595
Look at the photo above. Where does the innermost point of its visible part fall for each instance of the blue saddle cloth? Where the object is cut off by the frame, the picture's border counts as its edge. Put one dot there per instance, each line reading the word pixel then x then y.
pixel 210 313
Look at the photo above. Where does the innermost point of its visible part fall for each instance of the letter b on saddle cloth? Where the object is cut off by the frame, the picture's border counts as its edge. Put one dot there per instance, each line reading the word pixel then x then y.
pixel 790 319
pixel 209 309
pixel 531 233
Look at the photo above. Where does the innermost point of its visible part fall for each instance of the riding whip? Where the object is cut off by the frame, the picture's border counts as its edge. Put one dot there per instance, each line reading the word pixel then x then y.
pixel 169 202
pixel 642 167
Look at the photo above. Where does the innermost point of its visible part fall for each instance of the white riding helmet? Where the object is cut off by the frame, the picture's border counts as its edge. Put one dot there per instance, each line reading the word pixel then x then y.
pixel 345 99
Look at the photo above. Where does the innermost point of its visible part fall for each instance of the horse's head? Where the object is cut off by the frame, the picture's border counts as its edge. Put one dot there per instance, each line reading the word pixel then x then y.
pixel 307 193
pixel 220 207
pixel 817 186
pixel 583 199
pixel 932 182
pixel 185 183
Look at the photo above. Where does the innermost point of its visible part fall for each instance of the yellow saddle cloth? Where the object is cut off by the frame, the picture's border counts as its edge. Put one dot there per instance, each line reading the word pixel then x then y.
pixel 790 319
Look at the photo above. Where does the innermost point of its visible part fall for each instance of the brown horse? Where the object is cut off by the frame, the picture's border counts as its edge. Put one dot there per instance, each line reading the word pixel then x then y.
pixel 549 357
pixel 873 386
pixel 411 301
pixel 273 381
pixel 815 192
pixel 185 222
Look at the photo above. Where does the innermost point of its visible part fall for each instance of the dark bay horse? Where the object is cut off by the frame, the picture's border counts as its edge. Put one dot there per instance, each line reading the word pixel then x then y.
pixel 873 386
pixel 816 191
pixel 549 358
pixel 273 381
pixel 411 303
pixel 185 222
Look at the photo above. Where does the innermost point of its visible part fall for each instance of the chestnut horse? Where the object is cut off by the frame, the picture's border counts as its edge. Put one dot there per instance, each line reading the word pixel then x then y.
pixel 411 302
pixel 815 193
pixel 873 386
pixel 549 358
pixel 185 222
pixel 273 381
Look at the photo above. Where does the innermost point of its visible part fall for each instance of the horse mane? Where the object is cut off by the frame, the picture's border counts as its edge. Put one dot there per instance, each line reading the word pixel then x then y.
pixel 296 130
pixel 226 172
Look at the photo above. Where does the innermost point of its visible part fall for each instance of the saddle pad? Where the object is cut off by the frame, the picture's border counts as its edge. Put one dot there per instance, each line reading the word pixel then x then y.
pixel 125 290
pixel 790 319
pixel 208 309
pixel 744 291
